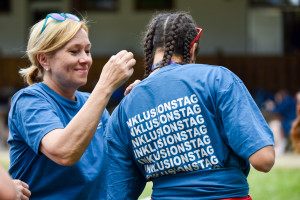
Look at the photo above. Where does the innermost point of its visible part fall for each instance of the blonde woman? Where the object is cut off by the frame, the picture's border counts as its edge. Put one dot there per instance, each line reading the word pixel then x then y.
pixel 56 131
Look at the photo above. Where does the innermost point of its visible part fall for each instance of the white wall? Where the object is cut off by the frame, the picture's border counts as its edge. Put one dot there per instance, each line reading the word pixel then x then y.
pixel 265 31
pixel 224 24
pixel 13 31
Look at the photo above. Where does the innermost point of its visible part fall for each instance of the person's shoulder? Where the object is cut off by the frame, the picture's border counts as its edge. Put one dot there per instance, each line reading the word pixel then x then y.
pixel 206 67
pixel 25 96
pixel 214 71
pixel 34 89
pixel 224 72
pixel 209 67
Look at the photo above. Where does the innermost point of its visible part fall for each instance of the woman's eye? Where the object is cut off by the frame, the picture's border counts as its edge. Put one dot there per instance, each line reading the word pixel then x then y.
pixel 87 51
pixel 74 51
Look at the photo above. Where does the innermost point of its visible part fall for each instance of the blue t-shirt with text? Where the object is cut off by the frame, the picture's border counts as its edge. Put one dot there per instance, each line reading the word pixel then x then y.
pixel 188 128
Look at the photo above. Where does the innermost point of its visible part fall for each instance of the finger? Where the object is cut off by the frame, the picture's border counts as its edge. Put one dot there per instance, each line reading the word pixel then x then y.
pixel 135 82
pixel 18 184
pixel 26 192
pixel 126 57
pixel 129 88
pixel 298 110
pixel 130 63
pixel 23 197
pixel 112 59
pixel 130 72
pixel 24 184
pixel 117 58
pixel 120 54
pixel 127 91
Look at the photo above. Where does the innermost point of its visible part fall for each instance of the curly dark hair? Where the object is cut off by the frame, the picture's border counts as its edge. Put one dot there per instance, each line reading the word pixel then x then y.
pixel 172 32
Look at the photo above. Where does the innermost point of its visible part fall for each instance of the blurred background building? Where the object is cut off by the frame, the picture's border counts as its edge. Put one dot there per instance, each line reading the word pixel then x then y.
pixel 259 40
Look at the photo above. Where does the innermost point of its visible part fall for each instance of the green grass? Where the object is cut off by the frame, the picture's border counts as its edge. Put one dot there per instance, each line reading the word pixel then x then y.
pixel 4 164
pixel 278 184
pixel 147 191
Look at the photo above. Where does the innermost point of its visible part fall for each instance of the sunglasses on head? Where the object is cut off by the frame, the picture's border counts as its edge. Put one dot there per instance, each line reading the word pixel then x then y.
pixel 60 17
pixel 197 37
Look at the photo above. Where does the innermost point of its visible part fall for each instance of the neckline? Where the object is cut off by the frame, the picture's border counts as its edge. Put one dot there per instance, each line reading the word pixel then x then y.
pixel 157 65
pixel 63 100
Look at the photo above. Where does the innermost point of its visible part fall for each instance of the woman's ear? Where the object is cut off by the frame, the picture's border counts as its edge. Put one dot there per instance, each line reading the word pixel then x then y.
pixel 193 53
pixel 43 60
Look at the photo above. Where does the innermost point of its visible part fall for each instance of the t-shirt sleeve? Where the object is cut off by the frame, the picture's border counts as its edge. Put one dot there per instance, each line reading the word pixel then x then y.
pixel 124 179
pixel 245 128
pixel 35 117
pixel 104 118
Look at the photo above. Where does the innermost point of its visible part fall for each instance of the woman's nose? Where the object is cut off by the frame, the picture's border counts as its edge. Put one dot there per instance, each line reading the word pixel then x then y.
pixel 85 58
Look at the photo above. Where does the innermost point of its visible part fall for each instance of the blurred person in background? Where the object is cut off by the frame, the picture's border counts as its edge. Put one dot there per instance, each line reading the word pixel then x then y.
pixel 56 131
pixel 191 129
pixel 295 130
pixel 281 113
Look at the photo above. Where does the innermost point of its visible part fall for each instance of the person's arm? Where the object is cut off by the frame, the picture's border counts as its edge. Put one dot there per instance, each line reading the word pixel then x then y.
pixel 7 188
pixel 124 179
pixel 264 159
pixel 66 146
pixel 245 129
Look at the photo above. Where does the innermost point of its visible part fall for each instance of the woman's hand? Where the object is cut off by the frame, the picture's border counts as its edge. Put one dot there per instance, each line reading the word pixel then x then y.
pixel 117 70
pixel 23 192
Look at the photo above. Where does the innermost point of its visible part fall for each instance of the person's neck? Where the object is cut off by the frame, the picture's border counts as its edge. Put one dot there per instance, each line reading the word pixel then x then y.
pixel 64 92
pixel 160 54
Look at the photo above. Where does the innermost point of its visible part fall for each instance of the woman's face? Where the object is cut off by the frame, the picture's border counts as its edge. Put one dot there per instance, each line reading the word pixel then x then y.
pixel 69 65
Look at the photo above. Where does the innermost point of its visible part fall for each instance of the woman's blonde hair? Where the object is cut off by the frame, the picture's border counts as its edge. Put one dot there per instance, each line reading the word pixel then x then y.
pixel 55 35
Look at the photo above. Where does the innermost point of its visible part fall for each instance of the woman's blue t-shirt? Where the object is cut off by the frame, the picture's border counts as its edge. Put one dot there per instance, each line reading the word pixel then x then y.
pixel 35 111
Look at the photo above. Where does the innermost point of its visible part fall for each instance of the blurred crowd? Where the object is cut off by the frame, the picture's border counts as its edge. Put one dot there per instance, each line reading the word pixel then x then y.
pixel 279 110
pixel 5 96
